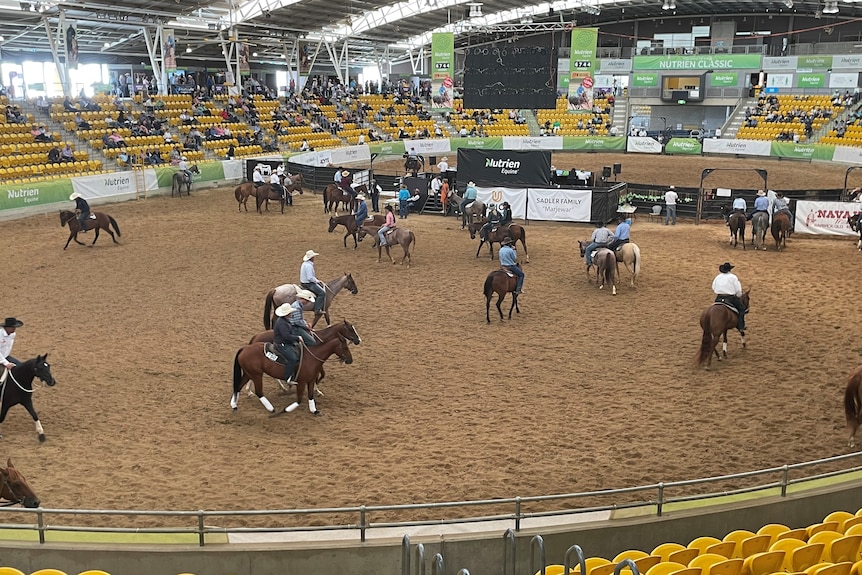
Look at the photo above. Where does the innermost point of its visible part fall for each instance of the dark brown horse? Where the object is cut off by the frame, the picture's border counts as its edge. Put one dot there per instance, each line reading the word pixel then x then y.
pixel 736 222
pixel 286 293
pixel 780 229
pixel 401 236
pixel 250 363
pixel 265 193
pixel 500 282
pixel 349 223
pixel 15 489
pixel 97 221
pixel 333 195
pixel 853 404
pixel 715 321
pixel 498 234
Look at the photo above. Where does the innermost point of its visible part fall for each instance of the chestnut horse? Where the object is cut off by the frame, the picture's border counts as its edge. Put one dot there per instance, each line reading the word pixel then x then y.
pixel 15 489
pixel 265 193
pixel 349 223
pixel 401 236
pixel 500 282
pixel 286 293
pixel 607 272
pixel 780 229
pixel 18 388
pixel 97 221
pixel 250 363
pixel 471 212
pixel 715 321
pixel 497 235
pixel 242 193
pixel 853 404
pixel 332 195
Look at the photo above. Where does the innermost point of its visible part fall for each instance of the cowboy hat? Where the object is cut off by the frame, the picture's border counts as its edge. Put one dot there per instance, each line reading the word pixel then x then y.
pixel 309 254
pixel 306 295
pixel 284 309
pixel 761 192
pixel 445 158
pixel 183 158
pixel 471 183
pixel 12 322
pixel 74 196
pixel 257 167
pixel 725 267
pixel 345 173
pixel 507 242
pixel 360 196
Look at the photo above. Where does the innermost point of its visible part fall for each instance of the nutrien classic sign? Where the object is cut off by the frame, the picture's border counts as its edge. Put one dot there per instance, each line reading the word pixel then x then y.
pixel 714 62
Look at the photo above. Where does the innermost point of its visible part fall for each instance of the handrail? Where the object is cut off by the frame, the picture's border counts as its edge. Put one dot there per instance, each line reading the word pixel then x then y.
pixel 537 543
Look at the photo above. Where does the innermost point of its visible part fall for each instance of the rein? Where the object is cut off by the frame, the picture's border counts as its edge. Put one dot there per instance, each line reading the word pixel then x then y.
pixel 5 483
pixel 21 387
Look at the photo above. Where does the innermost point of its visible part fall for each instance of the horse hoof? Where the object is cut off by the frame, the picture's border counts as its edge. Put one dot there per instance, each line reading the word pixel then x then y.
pixel 41 438
pixel 317 413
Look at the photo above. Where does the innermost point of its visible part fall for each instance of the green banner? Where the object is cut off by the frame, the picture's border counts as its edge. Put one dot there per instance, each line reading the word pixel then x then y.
pixel 647 80
pixel 714 62
pixel 477 143
pixel 813 62
pixel 594 143
pixel 724 79
pixel 209 171
pixel 387 148
pixel 582 69
pixel 442 71
pixel 683 146
pixel 811 80
pixel 13 196
pixel 802 151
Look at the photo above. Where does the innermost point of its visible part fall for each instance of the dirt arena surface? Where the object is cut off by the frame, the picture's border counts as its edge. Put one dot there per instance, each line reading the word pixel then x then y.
pixel 581 391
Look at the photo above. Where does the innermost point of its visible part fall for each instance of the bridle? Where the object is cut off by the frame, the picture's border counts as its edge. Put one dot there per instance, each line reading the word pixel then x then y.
pixel 4 482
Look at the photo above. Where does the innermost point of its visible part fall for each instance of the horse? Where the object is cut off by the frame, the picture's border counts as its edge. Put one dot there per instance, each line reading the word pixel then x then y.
pixel 242 193
pixel 630 255
pixel 401 236
pixel 266 193
pixel 250 363
pixel 18 388
pixel 601 273
pixel 500 282
pixel 737 225
pixel 286 293
pixel 759 225
pixel 498 234
pixel 414 165
pixel 474 210
pixel 606 269
pixel 15 489
pixel 295 184
pixel 715 321
pixel 349 223
pixel 97 221
pixel 180 179
pixel 332 195
pixel 780 229
pixel 853 404
pixel 853 222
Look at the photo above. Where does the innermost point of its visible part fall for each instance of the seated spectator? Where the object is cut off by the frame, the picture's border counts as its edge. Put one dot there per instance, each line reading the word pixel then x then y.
pixel 68 106
pixel 41 135
pixel 169 139
pixel 67 155
pixel 190 143
pixel 13 116
pixel 80 122
pixel 175 156
pixel 43 105
pixel 115 140
pixel 54 155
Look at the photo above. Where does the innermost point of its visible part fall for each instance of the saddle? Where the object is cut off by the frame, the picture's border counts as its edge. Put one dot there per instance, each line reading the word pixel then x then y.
pixel 270 350
pixel 507 272
pixel 722 300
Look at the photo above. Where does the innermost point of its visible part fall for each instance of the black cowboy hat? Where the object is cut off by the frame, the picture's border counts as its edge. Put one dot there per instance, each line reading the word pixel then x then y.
pixel 725 267
pixel 12 322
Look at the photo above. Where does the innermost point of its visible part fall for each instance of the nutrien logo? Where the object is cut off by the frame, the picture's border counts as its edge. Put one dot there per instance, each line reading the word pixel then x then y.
pixel 506 166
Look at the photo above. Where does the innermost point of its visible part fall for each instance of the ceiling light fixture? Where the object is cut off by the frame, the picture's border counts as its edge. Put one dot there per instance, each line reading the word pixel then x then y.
pixel 188 50
pixel 830 7
pixel 669 5
pixel 788 3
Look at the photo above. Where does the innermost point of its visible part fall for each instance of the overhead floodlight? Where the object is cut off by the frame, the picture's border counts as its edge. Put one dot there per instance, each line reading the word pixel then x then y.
pixel 788 3
pixel 830 7
pixel 669 5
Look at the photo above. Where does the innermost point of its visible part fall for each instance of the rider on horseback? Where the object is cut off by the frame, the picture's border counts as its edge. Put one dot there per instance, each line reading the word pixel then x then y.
pixel 361 210
pixel 257 177
pixel 601 237
pixel 621 234
pixel 509 261
pixel 505 214
pixel 781 204
pixel 83 209
pixel 275 184
pixel 761 204
pixel 184 169
pixel 494 219
pixel 728 289
pixel 346 183
pixel 470 194
pixel 739 205
pixel 290 328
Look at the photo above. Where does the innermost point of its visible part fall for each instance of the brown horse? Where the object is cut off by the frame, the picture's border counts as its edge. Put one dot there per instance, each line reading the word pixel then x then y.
pixel 736 222
pixel 15 489
pixel 401 236
pixel 242 193
pixel 498 234
pixel 265 193
pixel 715 321
pixel 349 223
pixel 333 195
pixel 471 212
pixel 500 282
pixel 780 229
pixel 286 293
pixel 607 269
pixel 250 363
pixel 97 221
pixel 295 184
pixel 853 404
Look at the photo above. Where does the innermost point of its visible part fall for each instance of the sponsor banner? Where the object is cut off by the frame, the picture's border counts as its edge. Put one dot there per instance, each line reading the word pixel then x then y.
pixel 350 154
pixel 714 62
pixel 387 148
pixel 591 143
pixel 779 63
pixel 724 79
pixel 563 79
pixel 802 151
pixel 559 205
pixel 210 171
pixel 847 62
pixel 847 155
pixel 779 81
pixel 494 196
pixel 14 196
pixel 243 52
pixel 424 147
pixel 233 169
pixel 582 69
pixel 477 143
pixel 614 65
pixel 71 46
pixel 169 49
pixel 744 147
pixel 113 184
pixel 829 218
pixel 324 158
pixel 306 159
pixel 504 167
pixel 811 80
pixel 530 143
pixel 647 80
pixel 683 146
pixel 813 62
pixel 843 79
pixel 442 71
pixel 642 145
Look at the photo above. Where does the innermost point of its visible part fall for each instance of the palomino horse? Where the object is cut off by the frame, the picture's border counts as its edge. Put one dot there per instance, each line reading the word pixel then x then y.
pixel 18 388
pixel 759 225
pixel 286 293
pixel 349 223
pixel 853 404
pixel 500 282
pixel 853 222
pixel 333 195
pixel 15 489
pixel 251 362
pixel 498 234
pixel 401 236
pixel 715 321
pixel 736 221
pixel 471 212
pixel 630 255
pixel 780 229
pixel 180 179
pixel 98 221
pixel 265 193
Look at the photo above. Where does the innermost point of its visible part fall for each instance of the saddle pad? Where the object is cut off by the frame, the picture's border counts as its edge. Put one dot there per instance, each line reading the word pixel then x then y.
pixel 269 350
pixel 727 305
pixel 92 217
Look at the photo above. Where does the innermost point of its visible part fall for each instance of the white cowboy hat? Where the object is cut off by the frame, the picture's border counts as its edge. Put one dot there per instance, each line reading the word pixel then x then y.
pixel 471 183
pixel 74 196
pixel 183 158
pixel 309 254
pixel 360 196
pixel 306 295
pixel 761 192
pixel 283 310
pixel 257 167
pixel 345 173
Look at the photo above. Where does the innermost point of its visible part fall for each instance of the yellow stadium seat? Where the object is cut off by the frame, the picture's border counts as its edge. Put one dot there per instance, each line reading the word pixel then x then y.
pixel 727 567
pixel 832 569
pixel 683 556
pixel 856 569
pixel 840 517
pixel 665 549
pixel 549 570
pixel 753 545
pixel 737 537
pixel 48 572
pixel 802 558
pixel 705 561
pixel 844 549
pixel 725 548
pixel 93 572
pixel 632 554
pixel 10 571
pixel 773 530
pixel 665 568
pixel 801 534
pixel 763 563
pixel 591 563
pixel 818 527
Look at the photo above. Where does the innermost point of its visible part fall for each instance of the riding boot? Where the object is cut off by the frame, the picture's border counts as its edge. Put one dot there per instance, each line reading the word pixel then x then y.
pixel 740 324
pixel 289 369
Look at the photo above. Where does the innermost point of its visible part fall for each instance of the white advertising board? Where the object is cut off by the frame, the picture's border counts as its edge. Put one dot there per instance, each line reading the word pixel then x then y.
pixel 825 218
pixel 517 198
pixel 559 205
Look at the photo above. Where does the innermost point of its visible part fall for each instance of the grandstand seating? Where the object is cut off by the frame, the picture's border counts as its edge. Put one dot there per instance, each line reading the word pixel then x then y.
pixel 568 122
pixel 787 103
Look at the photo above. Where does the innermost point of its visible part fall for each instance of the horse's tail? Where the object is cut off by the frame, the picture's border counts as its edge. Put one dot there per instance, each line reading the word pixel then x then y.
pixel 636 265
pixel 114 224
pixel 489 286
pixel 267 309
pixel 412 245
pixel 610 265
pixel 237 192
pixel 237 372
pixel 705 341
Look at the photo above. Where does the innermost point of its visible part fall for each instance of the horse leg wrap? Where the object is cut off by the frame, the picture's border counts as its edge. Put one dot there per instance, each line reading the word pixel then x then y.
pixel 233 400
pixel 312 406
pixel 266 404
pixel 291 407
pixel 724 347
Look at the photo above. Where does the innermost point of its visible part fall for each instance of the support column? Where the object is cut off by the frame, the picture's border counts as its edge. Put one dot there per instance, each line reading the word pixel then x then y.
pixel 153 54
pixel 336 61
pixel 62 72
pixel 311 64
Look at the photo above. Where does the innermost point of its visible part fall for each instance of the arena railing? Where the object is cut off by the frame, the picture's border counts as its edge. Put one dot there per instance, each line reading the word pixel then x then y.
pixel 655 496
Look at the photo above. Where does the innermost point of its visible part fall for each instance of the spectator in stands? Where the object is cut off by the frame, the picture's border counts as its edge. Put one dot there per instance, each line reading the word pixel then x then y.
pixel 67 155
pixel 68 106
pixel 175 156
pixel 115 140
pixel 54 155
pixel 304 147
pixel 231 152
pixel 41 135
pixel 154 157
pixel 80 122
pixel 43 105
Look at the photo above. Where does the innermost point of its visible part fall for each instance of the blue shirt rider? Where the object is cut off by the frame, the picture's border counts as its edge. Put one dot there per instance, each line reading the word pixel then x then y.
pixel 361 211
pixel 83 209
pixel 509 261
pixel 470 194
pixel 621 234
pixel 761 204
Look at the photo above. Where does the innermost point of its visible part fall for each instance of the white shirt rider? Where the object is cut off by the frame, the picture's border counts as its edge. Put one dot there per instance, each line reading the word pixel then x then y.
pixel 257 177
pixel 727 284
pixel 7 340
pixel 739 204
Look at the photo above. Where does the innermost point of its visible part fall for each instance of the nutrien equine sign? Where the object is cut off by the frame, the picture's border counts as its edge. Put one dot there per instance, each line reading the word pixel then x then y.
pixel 510 168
